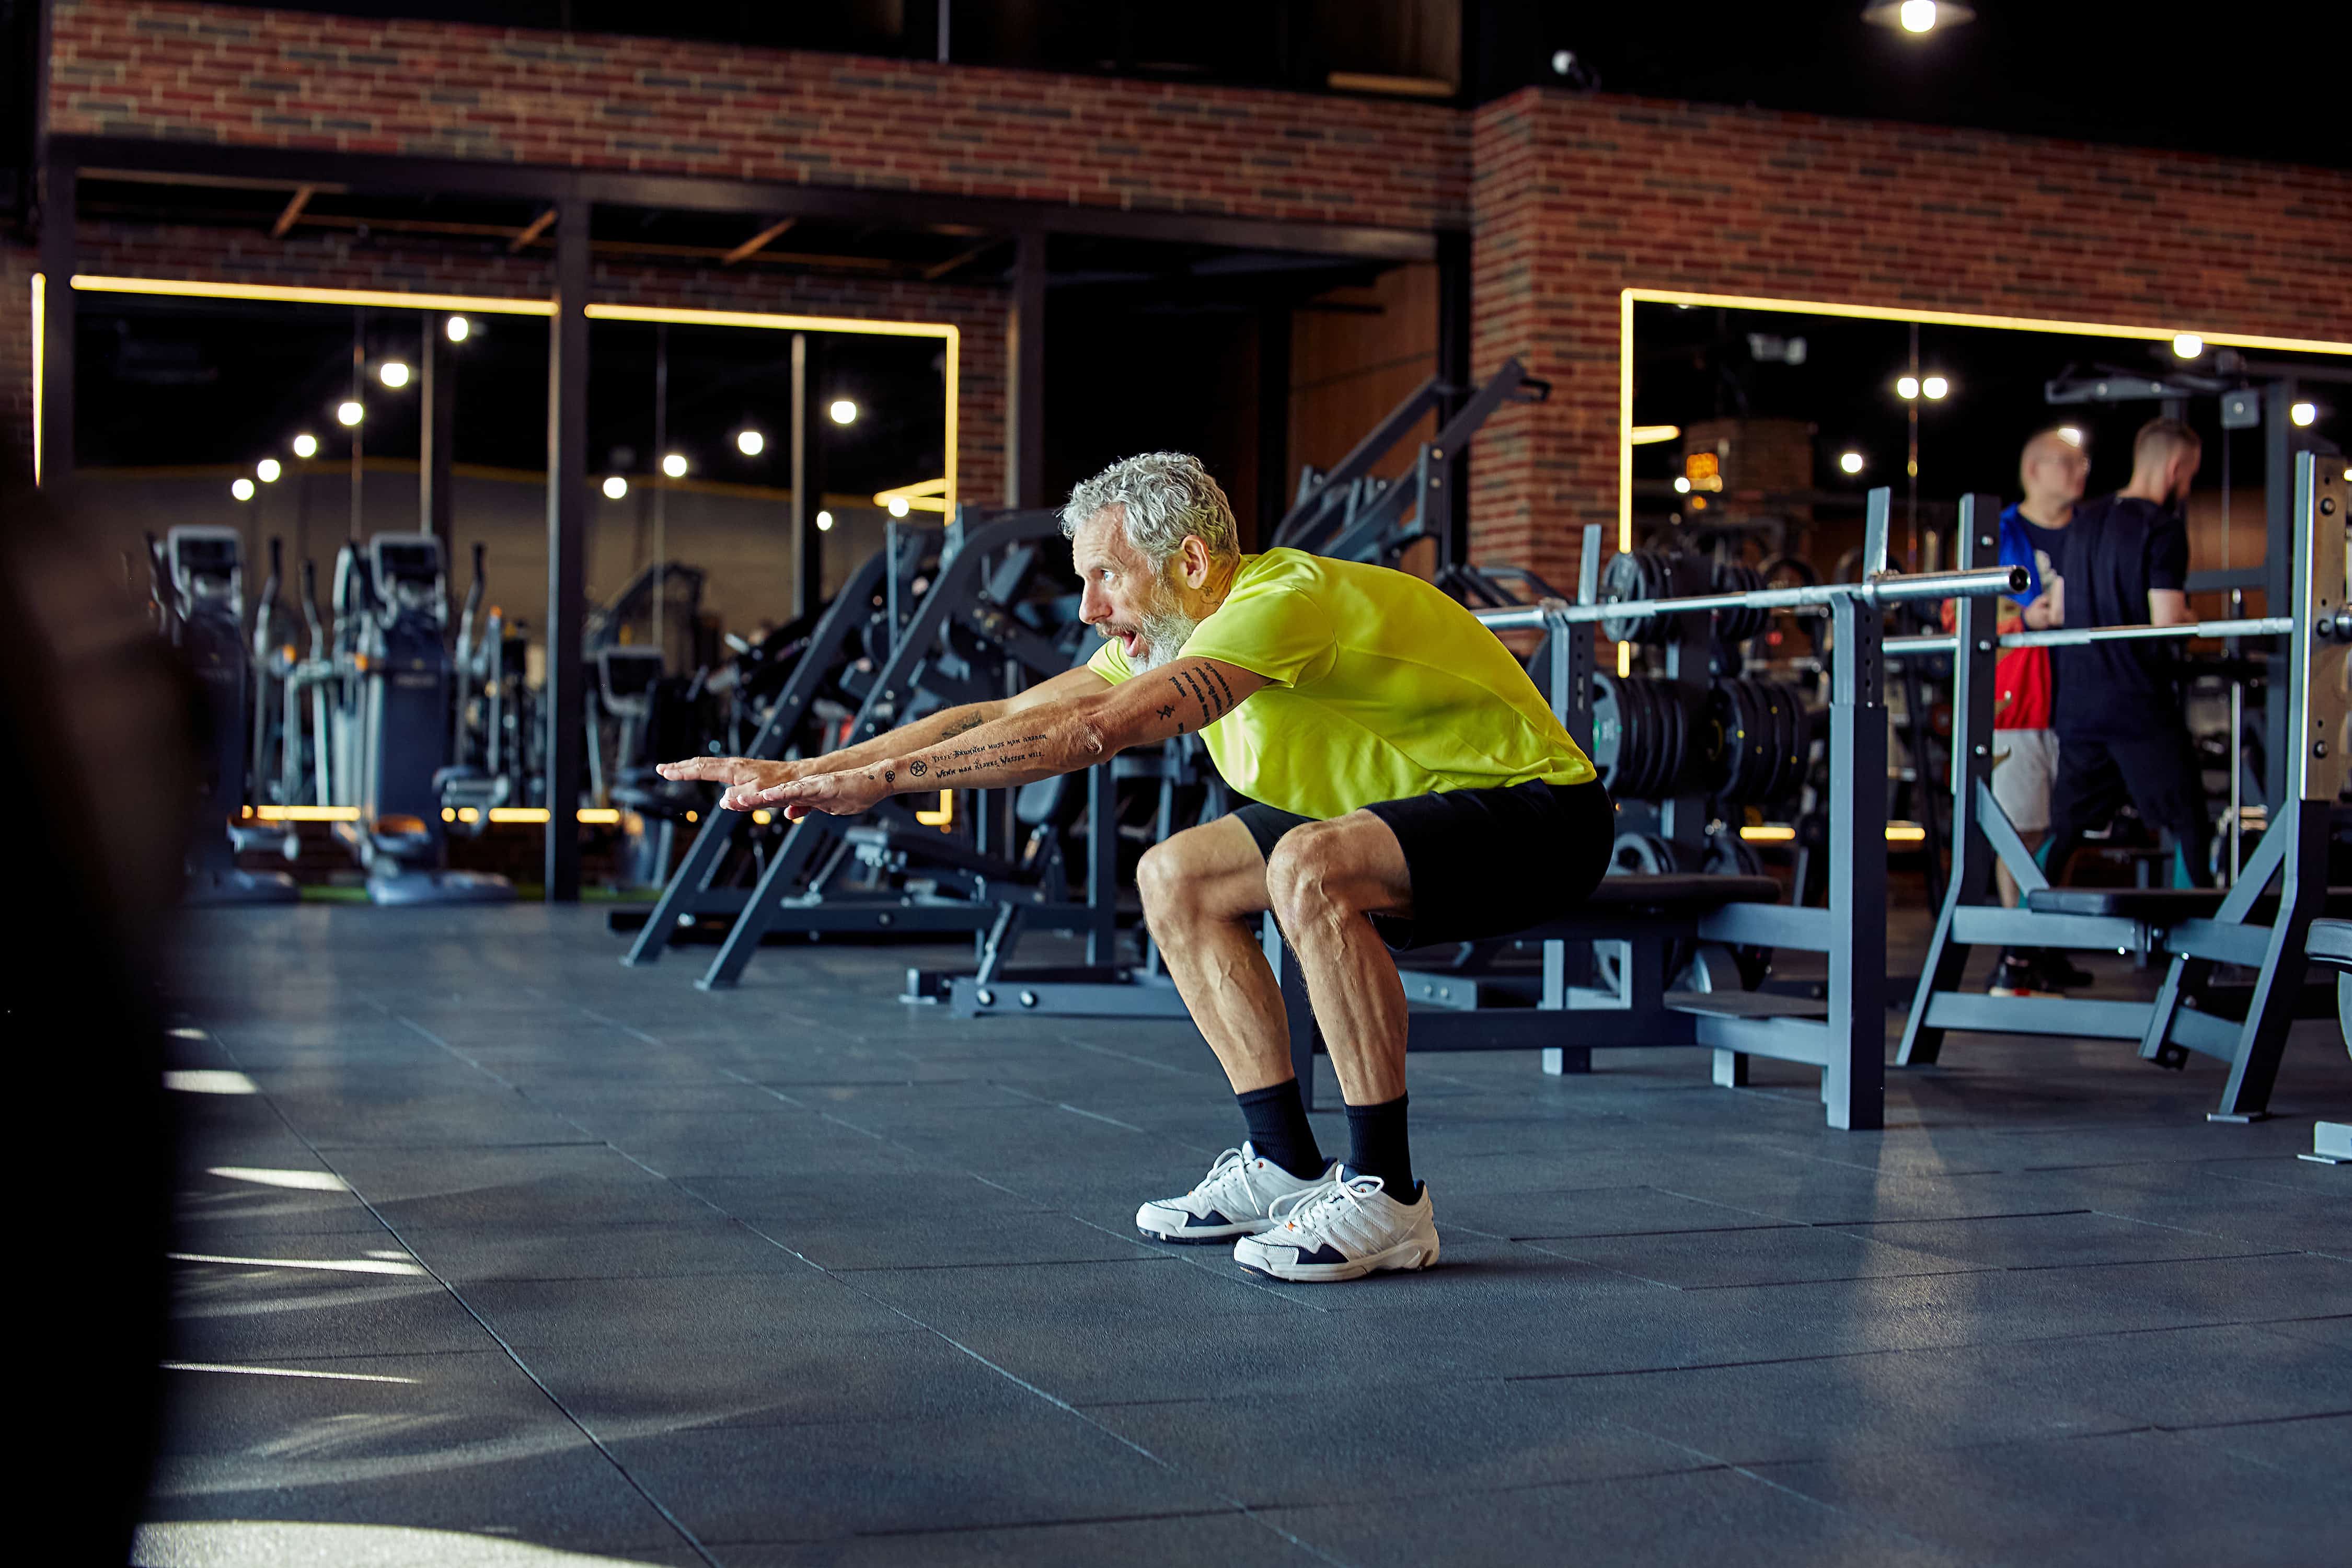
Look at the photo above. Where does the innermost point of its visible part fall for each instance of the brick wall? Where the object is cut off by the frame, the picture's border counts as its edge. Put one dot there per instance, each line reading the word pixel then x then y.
pixel 1576 198
pixel 18 264
pixel 277 79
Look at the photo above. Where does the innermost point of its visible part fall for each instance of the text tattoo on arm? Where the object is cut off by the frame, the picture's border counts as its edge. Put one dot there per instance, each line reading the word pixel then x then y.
pixel 996 754
pixel 1206 688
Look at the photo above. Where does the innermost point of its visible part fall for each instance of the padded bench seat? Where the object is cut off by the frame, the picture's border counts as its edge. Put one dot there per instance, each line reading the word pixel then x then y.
pixel 1682 893
pixel 2331 942
pixel 2162 906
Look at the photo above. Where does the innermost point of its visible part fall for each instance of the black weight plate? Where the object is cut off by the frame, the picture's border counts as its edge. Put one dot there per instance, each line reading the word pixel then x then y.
pixel 1738 625
pixel 1609 731
pixel 1622 579
pixel 1739 768
pixel 1719 745
pixel 1641 774
pixel 1791 741
pixel 1777 739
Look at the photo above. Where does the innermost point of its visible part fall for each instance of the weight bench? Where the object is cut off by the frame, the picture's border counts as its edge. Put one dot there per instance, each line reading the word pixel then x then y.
pixel 2195 928
pixel 1657 950
pixel 2330 944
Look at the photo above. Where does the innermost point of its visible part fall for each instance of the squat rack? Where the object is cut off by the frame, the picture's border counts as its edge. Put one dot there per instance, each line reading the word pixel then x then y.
pixel 1638 921
pixel 2196 928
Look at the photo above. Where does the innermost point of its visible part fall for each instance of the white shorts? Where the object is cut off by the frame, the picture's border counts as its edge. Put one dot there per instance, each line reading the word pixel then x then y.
pixel 2023 764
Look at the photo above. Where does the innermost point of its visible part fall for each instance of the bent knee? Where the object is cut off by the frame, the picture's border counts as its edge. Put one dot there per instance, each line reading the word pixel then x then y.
pixel 1308 872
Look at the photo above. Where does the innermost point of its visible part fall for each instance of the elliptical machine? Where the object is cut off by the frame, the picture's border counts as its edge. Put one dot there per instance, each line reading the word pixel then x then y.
pixel 199 592
pixel 392 721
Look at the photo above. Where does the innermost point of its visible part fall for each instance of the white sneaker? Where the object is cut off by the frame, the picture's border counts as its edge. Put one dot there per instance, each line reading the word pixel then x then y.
pixel 1235 1198
pixel 1342 1229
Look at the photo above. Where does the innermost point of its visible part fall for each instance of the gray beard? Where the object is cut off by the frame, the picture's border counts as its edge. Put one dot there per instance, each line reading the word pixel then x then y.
pixel 1164 632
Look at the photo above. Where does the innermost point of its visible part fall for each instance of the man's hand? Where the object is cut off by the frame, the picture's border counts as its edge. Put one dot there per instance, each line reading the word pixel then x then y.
pixel 743 777
pixel 835 795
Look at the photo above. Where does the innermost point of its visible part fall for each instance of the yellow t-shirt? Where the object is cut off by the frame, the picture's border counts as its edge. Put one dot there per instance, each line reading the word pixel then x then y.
pixel 1382 688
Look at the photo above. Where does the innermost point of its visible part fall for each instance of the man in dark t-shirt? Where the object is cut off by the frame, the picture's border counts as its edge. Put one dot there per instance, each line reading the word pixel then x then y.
pixel 2122 732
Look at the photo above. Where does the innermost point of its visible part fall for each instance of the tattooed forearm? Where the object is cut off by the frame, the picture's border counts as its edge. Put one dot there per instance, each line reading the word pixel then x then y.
pixel 1208 694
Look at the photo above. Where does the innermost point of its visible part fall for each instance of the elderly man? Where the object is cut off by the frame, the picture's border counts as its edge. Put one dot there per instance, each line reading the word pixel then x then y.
pixel 1410 786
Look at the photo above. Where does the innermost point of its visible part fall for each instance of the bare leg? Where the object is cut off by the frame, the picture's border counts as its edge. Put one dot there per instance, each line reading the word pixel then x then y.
pixel 1203 890
pixel 1325 878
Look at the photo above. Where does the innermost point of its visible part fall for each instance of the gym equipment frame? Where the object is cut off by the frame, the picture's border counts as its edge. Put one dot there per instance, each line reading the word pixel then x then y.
pixel 1638 921
pixel 983 569
pixel 2195 928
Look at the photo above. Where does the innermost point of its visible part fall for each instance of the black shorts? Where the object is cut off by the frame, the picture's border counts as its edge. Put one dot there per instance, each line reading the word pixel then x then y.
pixel 1483 862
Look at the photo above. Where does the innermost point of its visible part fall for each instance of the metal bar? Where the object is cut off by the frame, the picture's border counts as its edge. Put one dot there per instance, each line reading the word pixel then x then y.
pixel 293 210
pixel 925 211
pixel 2056 1015
pixel 1853 1080
pixel 758 242
pixel 1455 329
pixel 1886 590
pixel 2076 637
pixel 531 231
pixel 567 530
pixel 437 422
pixel 1025 365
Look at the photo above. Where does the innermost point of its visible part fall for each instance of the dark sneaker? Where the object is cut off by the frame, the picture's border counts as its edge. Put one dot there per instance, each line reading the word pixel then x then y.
pixel 2056 969
pixel 2016 977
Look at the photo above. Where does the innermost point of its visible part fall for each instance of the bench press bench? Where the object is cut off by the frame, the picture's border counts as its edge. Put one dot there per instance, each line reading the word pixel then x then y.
pixel 2261 923
pixel 2330 946
pixel 1644 961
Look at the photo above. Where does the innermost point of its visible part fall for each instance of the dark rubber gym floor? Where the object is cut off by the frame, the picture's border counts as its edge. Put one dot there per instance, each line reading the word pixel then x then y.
pixel 558 1262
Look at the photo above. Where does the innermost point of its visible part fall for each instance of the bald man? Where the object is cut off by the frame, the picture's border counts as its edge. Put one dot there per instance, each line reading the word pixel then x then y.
pixel 2051 470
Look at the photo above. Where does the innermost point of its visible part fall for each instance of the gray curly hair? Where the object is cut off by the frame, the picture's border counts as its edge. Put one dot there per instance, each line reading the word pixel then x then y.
pixel 1162 496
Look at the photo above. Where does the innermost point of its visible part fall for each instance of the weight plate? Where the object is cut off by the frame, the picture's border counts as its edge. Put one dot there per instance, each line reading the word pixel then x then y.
pixel 1622 580
pixel 1609 731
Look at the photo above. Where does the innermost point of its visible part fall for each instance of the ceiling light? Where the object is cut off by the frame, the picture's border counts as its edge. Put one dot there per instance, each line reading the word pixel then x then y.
pixel 751 442
pixel 843 412
pixel 1650 435
pixel 1935 386
pixel 824 523
pixel 1682 485
pixel 458 328
pixel 393 373
pixel 898 507
pixel 2071 434
pixel 306 446
pixel 2187 345
pixel 2303 413
pixel 268 469
pixel 1917 17
pixel 675 465
pixel 616 488
pixel 242 489
pixel 1851 462
pixel 1907 388
pixel 349 413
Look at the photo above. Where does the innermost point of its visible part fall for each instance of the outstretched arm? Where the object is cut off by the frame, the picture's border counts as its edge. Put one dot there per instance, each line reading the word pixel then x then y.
pixel 746 777
pixel 1057 737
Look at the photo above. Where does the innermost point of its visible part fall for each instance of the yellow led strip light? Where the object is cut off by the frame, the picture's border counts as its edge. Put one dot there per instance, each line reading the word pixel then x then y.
pixel 486 305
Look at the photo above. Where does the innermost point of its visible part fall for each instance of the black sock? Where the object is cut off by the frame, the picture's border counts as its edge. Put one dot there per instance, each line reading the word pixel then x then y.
pixel 1280 1129
pixel 1376 1147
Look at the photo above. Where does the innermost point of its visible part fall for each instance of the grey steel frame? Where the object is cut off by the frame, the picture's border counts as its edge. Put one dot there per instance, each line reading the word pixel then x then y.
pixel 2293 850
pixel 693 890
pixel 1845 1035
pixel 983 568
